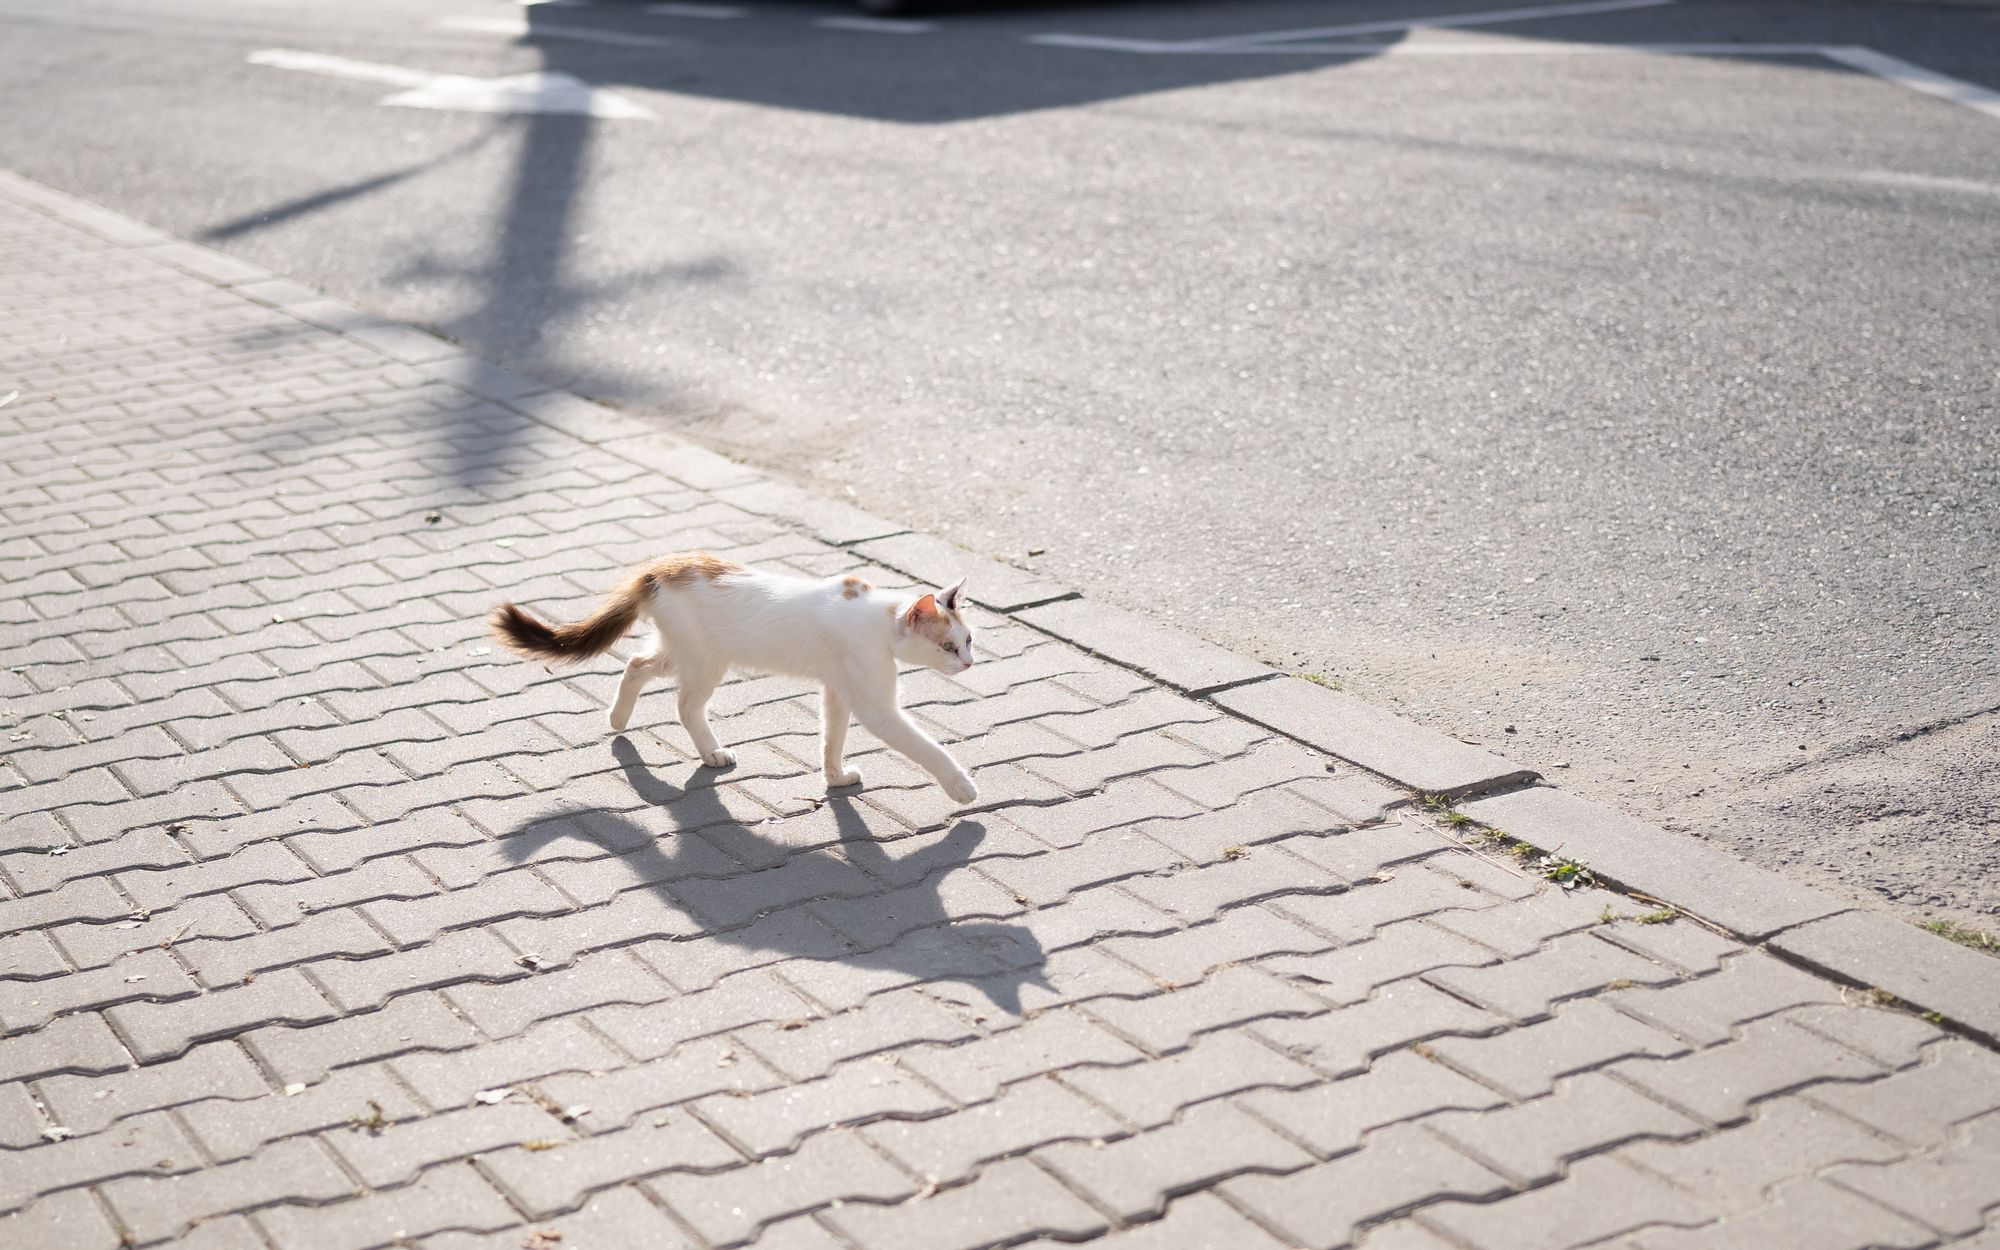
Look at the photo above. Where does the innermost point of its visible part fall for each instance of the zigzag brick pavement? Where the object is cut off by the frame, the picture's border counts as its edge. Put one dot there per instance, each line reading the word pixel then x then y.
pixel 322 927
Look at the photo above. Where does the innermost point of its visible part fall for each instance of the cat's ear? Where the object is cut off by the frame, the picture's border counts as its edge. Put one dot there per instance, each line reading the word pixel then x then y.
pixel 922 610
pixel 949 598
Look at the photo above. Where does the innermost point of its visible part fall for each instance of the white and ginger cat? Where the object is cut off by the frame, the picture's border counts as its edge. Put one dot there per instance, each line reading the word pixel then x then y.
pixel 712 615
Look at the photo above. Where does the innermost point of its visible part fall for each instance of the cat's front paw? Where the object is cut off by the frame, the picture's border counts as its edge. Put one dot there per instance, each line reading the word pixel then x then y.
pixel 849 777
pixel 720 757
pixel 617 722
pixel 961 790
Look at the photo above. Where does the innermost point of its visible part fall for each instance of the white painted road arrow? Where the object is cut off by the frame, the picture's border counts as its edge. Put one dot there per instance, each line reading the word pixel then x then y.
pixel 541 91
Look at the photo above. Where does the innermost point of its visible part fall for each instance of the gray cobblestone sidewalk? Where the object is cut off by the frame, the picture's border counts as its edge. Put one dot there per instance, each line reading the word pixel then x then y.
pixel 323 927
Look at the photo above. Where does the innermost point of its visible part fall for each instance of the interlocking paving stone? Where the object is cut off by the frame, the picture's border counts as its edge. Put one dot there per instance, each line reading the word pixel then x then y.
pixel 150 1144
pixel 812 1046
pixel 82 1043
pixel 450 1197
pixel 1808 1214
pixel 152 975
pixel 395 1153
pixel 1894 1039
pixel 1197 1222
pixel 544 1178
pixel 1721 1083
pixel 21 1118
pixel 1183 956
pixel 1050 1042
pixel 1955 1082
pixel 91 899
pixel 1527 1061
pixel 1397 1169
pixel 1151 1094
pixel 729 1208
pixel 476 972
pixel 364 1099
pixel 1333 1118
pixel 1008 1201
pixel 1737 1170
pixel 1531 1141
pixel 413 1023
pixel 333 934
pixel 1710 1009
pixel 1345 1039
pixel 86 1104
pixel 1025 1115
pixel 157 1208
pixel 160 1030
pixel 1133 1177
pixel 856 1093
pixel 621 1217
pixel 1351 973
pixel 1949 1191
pixel 1229 997
pixel 71 1219
pixel 1598 1200
pixel 1530 987
pixel 1676 943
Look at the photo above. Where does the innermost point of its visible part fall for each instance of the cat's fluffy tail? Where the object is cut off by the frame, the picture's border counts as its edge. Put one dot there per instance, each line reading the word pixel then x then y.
pixel 525 634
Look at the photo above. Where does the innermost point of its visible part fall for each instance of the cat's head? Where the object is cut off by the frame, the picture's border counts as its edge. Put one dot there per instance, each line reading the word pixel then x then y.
pixel 931 633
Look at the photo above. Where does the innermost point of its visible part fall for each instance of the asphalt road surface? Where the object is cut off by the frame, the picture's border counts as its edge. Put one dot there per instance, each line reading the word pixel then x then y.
pixel 1631 411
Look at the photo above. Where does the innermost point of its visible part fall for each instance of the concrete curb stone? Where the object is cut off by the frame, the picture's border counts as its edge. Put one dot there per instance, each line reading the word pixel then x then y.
pixel 829 520
pixel 1746 900
pixel 1146 647
pixel 1796 922
pixel 1381 742
pixel 990 583
pixel 1873 950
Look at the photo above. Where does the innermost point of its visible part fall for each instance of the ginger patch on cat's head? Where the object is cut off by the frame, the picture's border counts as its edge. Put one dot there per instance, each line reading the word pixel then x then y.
pixel 942 639
pixel 852 587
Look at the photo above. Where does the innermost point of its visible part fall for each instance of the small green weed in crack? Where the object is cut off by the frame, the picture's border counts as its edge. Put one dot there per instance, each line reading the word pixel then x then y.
pixel 373 1122
pixel 1567 873
pixel 1964 935
pixel 1447 809
pixel 1608 916
pixel 1321 679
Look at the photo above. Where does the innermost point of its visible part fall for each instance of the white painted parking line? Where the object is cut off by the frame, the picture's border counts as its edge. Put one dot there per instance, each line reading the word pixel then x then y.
pixel 541 91
pixel 1227 43
pixel 1916 78
pixel 1445 48
pixel 1867 60
pixel 521 27
pixel 705 12
pixel 340 67
pixel 877 25
pixel 1921 182
pixel 1492 17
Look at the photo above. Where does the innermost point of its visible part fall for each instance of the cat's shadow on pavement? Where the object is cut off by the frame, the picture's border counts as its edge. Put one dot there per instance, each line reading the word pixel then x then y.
pixel 693 864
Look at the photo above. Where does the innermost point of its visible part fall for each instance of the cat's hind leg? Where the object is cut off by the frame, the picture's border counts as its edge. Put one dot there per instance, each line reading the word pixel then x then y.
pixel 697 684
pixel 833 739
pixel 639 670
